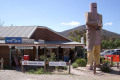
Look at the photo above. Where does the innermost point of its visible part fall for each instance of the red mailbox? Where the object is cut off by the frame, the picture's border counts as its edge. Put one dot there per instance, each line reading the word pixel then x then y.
pixel 26 57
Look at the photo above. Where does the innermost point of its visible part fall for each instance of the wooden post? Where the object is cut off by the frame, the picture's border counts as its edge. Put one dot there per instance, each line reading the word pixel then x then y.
pixel 37 53
pixel 111 61
pixel 45 66
pixel 63 54
pixel 118 65
pixel 94 67
pixel 10 54
pixel 22 67
pixel 57 53
pixel 69 65
pixel 84 52
pixel 2 62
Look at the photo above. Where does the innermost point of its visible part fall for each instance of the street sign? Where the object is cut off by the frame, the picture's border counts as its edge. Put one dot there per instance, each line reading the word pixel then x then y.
pixel 57 63
pixel 17 40
pixel 33 63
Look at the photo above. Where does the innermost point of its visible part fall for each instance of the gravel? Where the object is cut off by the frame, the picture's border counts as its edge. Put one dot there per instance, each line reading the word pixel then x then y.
pixel 76 74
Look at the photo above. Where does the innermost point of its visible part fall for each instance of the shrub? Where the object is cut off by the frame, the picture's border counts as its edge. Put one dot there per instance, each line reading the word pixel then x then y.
pixel 38 71
pixel 42 58
pixel 81 62
pixel 62 67
pixel 74 65
pixel 106 66
pixel 53 57
pixel 101 59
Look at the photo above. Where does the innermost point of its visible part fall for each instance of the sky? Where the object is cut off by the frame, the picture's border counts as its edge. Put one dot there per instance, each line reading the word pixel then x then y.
pixel 58 15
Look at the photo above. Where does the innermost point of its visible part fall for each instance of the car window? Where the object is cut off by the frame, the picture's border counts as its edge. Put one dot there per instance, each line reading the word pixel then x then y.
pixel 112 50
pixel 118 50
pixel 108 51
pixel 114 53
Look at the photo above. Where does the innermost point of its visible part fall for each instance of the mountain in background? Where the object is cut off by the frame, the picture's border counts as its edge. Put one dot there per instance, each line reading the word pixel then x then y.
pixel 104 33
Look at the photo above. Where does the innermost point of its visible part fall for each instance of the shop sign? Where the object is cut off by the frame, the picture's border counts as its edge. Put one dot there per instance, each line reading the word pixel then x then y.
pixel 23 47
pixel 26 57
pixel 33 63
pixel 57 63
pixel 17 40
pixel 67 46
pixel 28 41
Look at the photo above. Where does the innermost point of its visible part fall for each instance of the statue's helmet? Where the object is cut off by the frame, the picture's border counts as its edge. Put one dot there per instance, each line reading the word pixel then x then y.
pixel 93 8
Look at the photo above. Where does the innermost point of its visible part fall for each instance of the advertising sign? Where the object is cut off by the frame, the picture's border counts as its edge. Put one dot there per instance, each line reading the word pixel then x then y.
pixel 17 40
pixel 33 63
pixel 26 57
pixel 57 63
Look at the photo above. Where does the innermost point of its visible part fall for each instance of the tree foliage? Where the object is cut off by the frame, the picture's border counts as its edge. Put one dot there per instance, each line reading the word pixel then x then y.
pixel 108 42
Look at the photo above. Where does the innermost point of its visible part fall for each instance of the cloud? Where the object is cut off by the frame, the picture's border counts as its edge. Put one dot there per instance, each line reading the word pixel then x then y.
pixel 72 23
pixel 110 23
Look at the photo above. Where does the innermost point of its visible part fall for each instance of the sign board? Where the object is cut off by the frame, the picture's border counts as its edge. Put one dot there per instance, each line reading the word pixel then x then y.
pixel 26 57
pixel 23 47
pixel 28 41
pixel 57 63
pixel 33 63
pixel 41 41
pixel 67 46
pixel 115 58
pixel 49 47
pixel 17 40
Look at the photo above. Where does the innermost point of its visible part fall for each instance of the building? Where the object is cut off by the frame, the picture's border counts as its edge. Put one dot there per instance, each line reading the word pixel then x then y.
pixel 17 41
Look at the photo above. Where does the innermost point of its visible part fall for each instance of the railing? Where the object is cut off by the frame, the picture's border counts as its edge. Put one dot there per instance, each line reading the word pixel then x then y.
pixel 1 62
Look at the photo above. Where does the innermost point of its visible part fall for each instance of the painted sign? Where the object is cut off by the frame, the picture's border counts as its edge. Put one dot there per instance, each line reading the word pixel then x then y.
pixel 57 63
pixel 17 40
pixel 33 63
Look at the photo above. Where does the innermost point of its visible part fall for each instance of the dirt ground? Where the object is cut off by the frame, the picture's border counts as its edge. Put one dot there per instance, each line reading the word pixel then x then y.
pixel 76 74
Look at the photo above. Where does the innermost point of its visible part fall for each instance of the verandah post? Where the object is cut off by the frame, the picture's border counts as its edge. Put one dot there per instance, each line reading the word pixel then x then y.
pixel 69 65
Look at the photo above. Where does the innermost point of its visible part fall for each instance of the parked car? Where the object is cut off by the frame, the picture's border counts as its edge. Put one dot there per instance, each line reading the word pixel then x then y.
pixel 110 52
pixel 116 53
pixel 107 52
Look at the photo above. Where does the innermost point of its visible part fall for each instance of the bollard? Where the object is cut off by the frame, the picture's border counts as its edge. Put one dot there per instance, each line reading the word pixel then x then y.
pixel 2 62
pixel 111 61
pixel 69 65
pixel 94 67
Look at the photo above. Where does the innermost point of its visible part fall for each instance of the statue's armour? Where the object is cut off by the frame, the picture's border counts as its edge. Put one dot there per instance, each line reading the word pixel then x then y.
pixel 93 30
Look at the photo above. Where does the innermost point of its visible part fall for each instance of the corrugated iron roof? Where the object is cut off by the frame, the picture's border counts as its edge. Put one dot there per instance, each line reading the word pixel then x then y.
pixel 62 42
pixel 17 31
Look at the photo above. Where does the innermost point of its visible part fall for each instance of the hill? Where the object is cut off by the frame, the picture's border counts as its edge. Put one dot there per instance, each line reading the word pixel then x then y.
pixel 104 33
